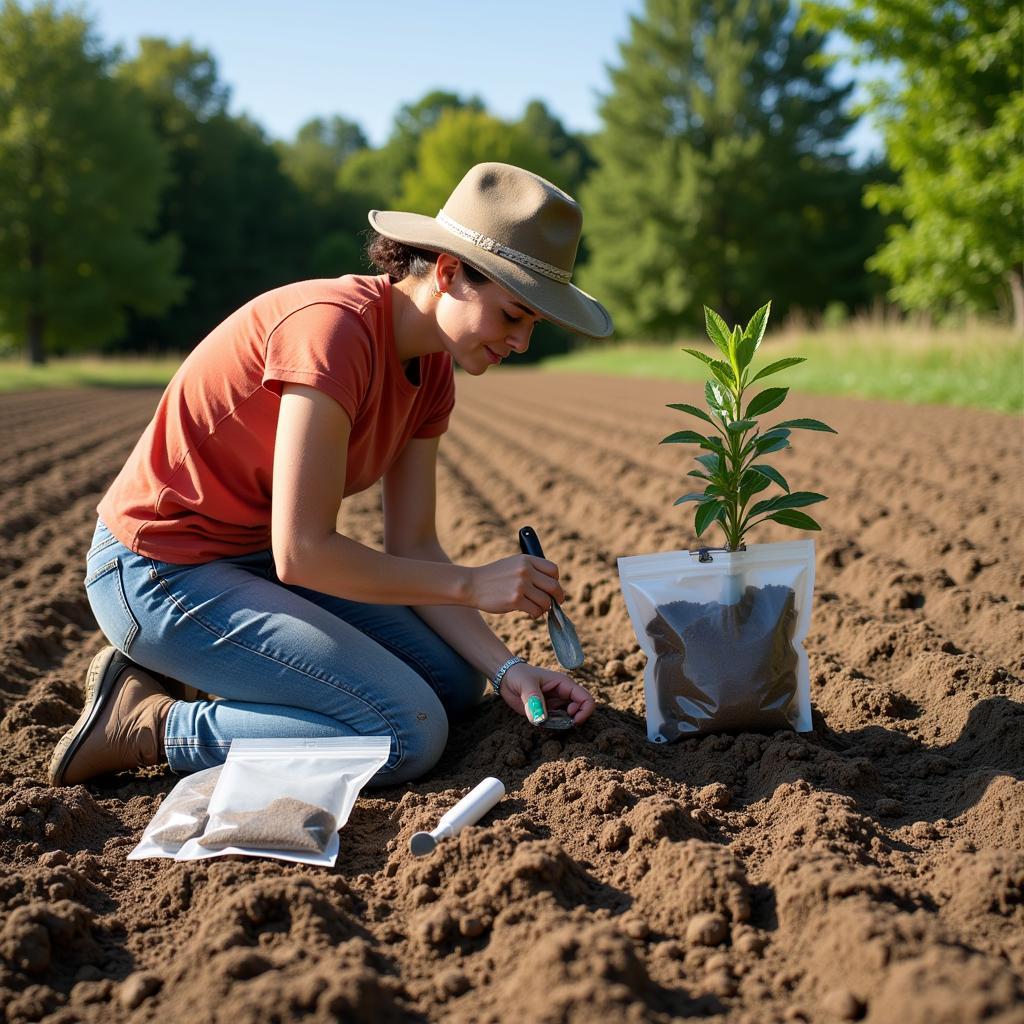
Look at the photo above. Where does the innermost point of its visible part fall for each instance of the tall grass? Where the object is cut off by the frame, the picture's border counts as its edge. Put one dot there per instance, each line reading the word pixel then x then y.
pixel 979 365
pixel 87 371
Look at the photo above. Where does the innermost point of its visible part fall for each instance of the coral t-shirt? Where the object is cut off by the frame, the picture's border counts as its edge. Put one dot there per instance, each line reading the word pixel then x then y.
pixel 198 484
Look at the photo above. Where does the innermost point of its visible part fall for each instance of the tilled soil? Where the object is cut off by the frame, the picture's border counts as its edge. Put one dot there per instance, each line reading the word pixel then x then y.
pixel 872 869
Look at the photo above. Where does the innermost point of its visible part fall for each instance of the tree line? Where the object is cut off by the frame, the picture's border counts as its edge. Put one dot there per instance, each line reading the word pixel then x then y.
pixel 136 212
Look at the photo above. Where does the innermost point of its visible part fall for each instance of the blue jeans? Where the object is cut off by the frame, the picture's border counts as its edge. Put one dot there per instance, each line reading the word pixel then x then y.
pixel 285 661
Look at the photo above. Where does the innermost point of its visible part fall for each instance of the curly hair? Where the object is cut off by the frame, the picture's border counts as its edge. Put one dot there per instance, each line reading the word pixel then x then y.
pixel 398 260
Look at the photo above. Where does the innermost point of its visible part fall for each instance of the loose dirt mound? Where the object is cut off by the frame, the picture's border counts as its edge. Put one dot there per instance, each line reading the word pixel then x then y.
pixel 869 870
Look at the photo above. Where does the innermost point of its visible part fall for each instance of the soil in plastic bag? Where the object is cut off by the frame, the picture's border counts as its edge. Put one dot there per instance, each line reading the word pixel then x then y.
pixel 189 808
pixel 284 824
pixel 727 668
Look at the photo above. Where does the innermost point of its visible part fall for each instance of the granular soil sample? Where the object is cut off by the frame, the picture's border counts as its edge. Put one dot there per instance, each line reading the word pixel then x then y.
pixel 726 668
pixel 191 804
pixel 177 833
pixel 284 824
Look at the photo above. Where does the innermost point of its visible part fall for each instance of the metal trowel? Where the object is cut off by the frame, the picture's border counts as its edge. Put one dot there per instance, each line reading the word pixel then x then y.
pixel 562 632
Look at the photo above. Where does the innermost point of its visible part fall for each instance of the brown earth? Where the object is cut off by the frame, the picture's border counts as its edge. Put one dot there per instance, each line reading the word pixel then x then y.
pixel 872 869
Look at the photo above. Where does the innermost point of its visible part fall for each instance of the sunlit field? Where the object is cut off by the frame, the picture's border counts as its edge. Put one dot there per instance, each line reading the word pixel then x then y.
pixel 980 365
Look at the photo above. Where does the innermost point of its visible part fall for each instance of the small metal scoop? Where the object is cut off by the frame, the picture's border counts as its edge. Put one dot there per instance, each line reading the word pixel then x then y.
pixel 562 632
pixel 558 719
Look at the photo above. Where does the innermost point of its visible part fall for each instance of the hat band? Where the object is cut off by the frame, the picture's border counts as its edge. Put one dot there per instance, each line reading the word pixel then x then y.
pixel 505 251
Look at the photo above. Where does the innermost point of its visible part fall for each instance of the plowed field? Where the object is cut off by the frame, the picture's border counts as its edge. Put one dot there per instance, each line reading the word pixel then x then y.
pixel 872 869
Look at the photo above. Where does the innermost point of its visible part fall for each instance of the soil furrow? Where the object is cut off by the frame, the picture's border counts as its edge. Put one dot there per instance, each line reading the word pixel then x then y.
pixel 869 869
pixel 957 489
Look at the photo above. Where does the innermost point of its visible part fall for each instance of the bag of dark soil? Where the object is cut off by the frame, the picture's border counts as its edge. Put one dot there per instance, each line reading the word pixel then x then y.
pixel 287 798
pixel 180 817
pixel 724 637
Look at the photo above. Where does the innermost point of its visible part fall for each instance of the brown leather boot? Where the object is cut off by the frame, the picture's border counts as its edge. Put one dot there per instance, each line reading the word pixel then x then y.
pixel 121 726
pixel 179 691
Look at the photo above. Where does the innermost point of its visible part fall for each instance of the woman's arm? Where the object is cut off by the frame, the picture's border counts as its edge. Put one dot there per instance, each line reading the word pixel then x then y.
pixel 310 452
pixel 410 530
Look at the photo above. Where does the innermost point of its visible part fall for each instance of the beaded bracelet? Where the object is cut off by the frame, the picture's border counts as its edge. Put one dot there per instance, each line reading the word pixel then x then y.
pixel 500 674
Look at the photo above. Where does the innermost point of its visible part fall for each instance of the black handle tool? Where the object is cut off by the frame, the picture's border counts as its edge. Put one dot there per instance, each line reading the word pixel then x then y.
pixel 562 632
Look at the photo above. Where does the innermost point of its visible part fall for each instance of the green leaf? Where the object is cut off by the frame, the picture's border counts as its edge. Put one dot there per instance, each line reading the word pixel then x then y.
pixel 759 441
pixel 683 437
pixel 805 424
pixel 765 401
pixel 692 410
pixel 724 374
pixel 751 483
pixel 707 514
pixel 798 499
pixel 717 330
pixel 697 473
pixel 790 517
pixel 772 474
pixel 717 399
pixel 739 426
pixel 712 444
pixel 693 496
pixel 765 445
pixel 758 322
pixel 710 462
pixel 702 356
pixel 745 352
pixel 781 364
pixel 761 506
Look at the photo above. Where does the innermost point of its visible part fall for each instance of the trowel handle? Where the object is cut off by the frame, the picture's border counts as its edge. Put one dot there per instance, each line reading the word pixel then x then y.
pixel 472 807
pixel 529 542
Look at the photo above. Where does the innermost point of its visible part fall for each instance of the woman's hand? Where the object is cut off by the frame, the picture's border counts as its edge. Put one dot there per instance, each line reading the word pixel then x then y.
pixel 520 583
pixel 553 689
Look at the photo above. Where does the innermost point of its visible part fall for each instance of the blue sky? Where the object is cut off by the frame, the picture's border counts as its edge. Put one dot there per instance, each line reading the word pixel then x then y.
pixel 289 60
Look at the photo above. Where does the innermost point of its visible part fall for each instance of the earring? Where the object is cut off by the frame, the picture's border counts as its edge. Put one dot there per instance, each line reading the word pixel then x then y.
pixel 436 292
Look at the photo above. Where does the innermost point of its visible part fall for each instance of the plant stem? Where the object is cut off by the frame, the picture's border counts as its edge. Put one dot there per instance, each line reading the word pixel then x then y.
pixel 733 533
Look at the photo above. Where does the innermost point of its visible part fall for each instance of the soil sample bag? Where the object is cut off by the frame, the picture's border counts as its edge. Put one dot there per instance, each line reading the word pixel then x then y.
pixel 723 638
pixel 287 798
pixel 180 817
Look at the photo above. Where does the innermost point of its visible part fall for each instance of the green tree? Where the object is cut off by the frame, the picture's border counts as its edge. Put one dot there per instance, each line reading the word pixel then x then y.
pixel 80 177
pixel 313 161
pixel 460 139
pixel 953 121
pixel 722 176
pixel 570 151
pixel 320 149
pixel 376 175
pixel 244 224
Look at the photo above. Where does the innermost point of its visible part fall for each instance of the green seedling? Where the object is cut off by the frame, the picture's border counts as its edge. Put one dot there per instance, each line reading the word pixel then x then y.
pixel 730 466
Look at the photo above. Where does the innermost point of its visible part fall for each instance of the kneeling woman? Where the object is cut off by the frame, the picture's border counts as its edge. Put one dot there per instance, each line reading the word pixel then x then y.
pixel 219 561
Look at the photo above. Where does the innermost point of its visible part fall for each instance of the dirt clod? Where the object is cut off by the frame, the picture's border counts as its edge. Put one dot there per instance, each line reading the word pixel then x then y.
pixel 707 930
pixel 137 988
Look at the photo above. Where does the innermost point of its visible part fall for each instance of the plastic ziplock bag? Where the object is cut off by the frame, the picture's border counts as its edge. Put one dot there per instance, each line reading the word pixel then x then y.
pixel 724 638
pixel 181 816
pixel 287 798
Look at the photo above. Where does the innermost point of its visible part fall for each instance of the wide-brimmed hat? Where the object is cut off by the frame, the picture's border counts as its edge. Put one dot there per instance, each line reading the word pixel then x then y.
pixel 519 230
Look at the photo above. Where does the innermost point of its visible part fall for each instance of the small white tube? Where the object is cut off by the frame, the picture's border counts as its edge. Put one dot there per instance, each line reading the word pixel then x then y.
pixel 470 809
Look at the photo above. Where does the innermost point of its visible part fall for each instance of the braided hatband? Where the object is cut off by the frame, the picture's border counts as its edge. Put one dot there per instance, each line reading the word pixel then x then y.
pixel 499 249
